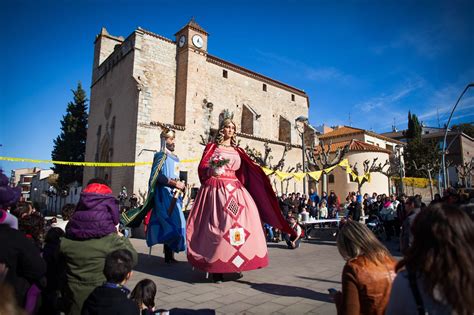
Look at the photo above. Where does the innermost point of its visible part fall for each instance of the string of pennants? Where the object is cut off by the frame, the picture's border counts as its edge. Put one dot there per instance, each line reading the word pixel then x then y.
pixel 316 175
pixel 89 164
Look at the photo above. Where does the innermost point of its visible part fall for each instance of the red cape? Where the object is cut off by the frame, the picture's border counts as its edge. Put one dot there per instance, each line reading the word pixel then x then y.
pixel 256 182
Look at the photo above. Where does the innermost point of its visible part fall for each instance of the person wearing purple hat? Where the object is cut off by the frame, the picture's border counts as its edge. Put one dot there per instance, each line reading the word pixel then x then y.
pixel 21 264
pixel 8 195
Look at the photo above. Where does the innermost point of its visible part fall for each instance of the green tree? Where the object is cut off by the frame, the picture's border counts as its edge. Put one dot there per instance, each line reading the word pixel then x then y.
pixel 70 145
pixel 414 127
pixel 467 128
pixel 418 152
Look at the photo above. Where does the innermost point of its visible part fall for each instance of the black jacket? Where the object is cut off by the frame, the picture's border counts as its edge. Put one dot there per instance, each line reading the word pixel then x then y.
pixel 105 301
pixel 355 210
pixel 23 260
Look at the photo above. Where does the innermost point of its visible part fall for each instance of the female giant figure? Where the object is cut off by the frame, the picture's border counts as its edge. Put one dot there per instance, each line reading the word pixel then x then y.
pixel 224 229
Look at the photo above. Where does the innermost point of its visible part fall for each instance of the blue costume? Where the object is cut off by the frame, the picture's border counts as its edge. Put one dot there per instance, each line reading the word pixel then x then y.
pixel 165 228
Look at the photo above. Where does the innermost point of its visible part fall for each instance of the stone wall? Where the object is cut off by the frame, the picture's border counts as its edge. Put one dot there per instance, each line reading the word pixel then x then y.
pixel 139 79
pixel 116 89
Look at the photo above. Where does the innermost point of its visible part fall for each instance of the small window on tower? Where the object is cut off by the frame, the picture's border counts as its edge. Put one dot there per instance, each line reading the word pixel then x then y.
pixel 224 73
pixel 292 97
pixel 264 87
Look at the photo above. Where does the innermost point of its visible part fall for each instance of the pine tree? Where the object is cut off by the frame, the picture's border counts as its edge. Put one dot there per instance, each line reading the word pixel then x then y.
pixel 414 127
pixel 70 145
pixel 418 151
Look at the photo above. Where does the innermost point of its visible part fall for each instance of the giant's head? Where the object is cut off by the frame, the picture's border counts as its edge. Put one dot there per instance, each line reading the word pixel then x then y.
pixel 227 129
pixel 167 139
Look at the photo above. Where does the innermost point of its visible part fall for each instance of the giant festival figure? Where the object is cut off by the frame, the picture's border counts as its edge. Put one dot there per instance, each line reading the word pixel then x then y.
pixel 167 223
pixel 224 228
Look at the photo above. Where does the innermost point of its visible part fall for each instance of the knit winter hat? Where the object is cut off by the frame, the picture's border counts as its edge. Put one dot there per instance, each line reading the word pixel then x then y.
pixel 8 195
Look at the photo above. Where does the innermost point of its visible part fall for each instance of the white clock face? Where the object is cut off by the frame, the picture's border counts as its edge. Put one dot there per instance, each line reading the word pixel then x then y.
pixel 182 41
pixel 197 41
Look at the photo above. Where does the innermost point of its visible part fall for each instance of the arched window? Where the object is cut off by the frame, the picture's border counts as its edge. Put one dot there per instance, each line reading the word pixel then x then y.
pixel 104 156
pixel 284 132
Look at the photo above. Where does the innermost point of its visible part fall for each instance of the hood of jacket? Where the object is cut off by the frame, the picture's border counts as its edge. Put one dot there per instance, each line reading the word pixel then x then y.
pixel 96 215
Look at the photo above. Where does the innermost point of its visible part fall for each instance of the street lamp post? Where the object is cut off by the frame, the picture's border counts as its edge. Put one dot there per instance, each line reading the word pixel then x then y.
pixel 302 120
pixel 400 167
pixel 443 162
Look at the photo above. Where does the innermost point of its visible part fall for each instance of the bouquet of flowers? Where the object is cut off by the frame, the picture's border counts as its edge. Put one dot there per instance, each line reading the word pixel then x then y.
pixel 217 163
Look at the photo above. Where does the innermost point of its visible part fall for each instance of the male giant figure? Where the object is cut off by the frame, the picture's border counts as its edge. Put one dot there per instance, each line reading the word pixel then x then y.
pixel 167 224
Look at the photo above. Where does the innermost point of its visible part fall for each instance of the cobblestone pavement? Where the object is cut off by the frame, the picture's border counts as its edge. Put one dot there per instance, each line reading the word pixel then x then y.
pixel 295 282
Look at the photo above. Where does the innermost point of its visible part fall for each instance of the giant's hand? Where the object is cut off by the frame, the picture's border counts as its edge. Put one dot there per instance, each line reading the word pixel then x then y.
pixel 176 184
pixel 180 185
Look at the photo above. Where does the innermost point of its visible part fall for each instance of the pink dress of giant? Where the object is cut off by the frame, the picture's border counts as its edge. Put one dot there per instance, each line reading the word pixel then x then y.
pixel 224 231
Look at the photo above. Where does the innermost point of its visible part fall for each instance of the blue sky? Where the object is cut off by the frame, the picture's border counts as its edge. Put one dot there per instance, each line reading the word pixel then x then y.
pixel 361 62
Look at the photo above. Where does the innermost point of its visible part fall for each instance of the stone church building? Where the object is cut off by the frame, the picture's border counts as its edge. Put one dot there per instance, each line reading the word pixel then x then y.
pixel 144 81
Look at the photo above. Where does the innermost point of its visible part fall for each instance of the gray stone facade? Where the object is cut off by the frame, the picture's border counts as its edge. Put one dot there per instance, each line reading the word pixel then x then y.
pixel 147 80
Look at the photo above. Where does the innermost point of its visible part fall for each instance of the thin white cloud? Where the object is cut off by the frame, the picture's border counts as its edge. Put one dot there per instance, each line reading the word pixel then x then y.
pixel 428 43
pixel 389 100
pixel 327 74
pixel 317 74
pixel 443 101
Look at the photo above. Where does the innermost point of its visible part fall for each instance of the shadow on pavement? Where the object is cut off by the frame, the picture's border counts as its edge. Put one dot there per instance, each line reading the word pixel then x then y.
pixel 180 271
pixel 320 242
pixel 288 290
pixel 317 279
pixel 277 245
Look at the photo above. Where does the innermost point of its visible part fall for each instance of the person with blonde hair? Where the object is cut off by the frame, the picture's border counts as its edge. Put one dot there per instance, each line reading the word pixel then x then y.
pixel 224 229
pixel 368 273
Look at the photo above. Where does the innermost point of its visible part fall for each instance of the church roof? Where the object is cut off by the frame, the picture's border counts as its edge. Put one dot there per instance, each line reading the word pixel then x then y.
pixel 195 26
pixel 355 146
pixel 346 131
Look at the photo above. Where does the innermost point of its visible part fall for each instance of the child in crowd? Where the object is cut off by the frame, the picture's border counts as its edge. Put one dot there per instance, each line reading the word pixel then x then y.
pixel 144 295
pixel 21 209
pixel 111 297
pixel 33 225
pixel 90 236
pixel 66 214
pixel 323 210
pixel 291 241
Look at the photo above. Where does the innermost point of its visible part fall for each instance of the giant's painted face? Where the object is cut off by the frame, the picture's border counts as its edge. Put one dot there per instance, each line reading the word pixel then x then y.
pixel 228 129
pixel 170 143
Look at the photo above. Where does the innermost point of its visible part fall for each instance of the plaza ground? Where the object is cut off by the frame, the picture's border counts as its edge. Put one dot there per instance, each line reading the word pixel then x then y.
pixel 295 282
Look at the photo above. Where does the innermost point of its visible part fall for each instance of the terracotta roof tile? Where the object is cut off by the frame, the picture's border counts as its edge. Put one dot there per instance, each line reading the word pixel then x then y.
pixel 356 146
pixel 342 131
pixel 346 130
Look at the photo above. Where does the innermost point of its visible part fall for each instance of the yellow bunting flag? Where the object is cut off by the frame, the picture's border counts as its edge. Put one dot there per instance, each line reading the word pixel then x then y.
pixel 329 169
pixel 267 171
pixel 282 175
pixel 316 175
pixel 348 170
pixel 299 176
pixel 344 163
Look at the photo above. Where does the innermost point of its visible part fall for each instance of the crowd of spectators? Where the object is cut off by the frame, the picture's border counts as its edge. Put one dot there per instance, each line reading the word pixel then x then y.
pixel 77 264
pixel 81 263
pixel 433 277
